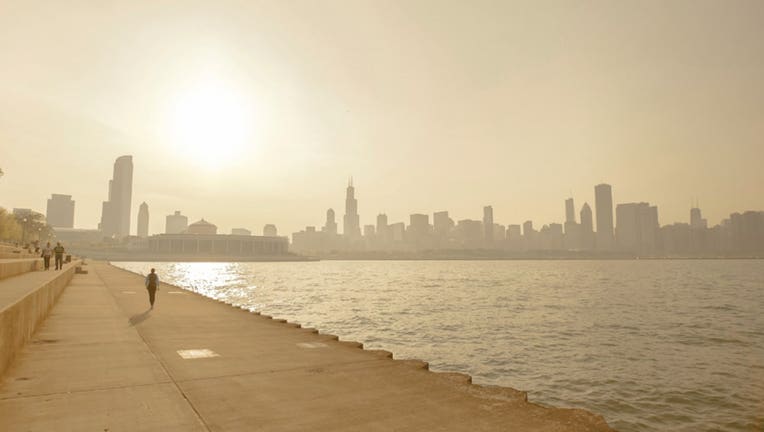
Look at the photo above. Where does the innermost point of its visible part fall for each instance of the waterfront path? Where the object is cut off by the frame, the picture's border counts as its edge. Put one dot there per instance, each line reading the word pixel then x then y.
pixel 103 362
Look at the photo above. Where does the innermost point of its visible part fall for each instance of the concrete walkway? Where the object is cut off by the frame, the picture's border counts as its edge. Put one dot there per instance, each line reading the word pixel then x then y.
pixel 103 362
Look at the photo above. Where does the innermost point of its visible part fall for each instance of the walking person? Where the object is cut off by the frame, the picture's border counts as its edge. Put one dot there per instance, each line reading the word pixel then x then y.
pixel 59 251
pixel 46 254
pixel 152 281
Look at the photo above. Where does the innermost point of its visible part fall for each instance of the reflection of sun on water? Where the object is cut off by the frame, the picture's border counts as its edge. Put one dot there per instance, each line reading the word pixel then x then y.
pixel 215 280
pixel 210 124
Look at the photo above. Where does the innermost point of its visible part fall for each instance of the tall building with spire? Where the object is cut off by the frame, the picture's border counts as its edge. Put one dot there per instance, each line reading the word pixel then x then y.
pixel 603 203
pixel 115 213
pixel 351 226
pixel 143 220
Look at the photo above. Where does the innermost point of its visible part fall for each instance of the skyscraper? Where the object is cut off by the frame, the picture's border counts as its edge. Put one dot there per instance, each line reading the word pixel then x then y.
pixel 488 224
pixel 514 232
pixel 529 235
pixel 143 220
pixel 698 228
pixel 696 220
pixel 572 231
pixel 175 223
pixel 637 227
pixel 351 226
pixel 586 228
pixel 442 223
pixel 418 231
pixel 330 227
pixel 570 211
pixel 381 222
pixel 383 230
pixel 60 211
pixel 603 203
pixel 115 213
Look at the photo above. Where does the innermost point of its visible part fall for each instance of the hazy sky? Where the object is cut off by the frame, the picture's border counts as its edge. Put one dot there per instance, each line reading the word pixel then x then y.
pixel 256 112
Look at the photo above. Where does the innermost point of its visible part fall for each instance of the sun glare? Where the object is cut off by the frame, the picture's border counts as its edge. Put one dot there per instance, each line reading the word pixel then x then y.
pixel 210 125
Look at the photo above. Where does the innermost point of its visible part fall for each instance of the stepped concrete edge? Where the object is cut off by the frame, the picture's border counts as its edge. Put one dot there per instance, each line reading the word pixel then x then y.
pixel 460 381
pixel 13 267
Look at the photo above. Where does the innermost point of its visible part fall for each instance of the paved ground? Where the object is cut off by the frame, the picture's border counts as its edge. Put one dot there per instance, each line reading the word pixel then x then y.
pixel 103 362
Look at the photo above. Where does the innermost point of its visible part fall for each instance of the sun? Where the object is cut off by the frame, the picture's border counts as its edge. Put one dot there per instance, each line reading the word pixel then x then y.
pixel 210 124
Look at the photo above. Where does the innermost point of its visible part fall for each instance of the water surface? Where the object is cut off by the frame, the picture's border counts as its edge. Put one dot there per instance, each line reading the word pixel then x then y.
pixel 650 345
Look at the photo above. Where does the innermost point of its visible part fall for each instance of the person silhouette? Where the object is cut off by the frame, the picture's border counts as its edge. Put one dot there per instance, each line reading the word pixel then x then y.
pixel 59 252
pixel 46 254
pixel 152 281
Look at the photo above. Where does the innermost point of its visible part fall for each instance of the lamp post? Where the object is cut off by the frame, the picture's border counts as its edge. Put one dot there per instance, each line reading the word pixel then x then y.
pixel 23 231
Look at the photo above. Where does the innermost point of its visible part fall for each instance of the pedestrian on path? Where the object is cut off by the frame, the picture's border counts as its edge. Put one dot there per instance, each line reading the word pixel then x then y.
pixel 59 251
pixel 152 281
pixel 47 252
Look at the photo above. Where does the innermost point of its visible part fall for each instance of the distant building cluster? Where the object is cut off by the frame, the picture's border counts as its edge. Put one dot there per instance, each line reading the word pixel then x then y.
pixel 626 228
pixel 629 228
pixel 200 237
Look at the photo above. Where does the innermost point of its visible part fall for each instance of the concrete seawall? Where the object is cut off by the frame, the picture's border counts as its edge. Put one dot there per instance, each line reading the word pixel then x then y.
pixel 25 303
pixel 103 361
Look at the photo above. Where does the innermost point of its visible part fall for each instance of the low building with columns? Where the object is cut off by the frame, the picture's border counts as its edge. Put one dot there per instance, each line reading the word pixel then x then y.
pixel 201 239
pixel 218 245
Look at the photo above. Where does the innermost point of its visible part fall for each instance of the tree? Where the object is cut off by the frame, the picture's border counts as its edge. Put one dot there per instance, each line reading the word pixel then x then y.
pixel 33 226
pixel 10 229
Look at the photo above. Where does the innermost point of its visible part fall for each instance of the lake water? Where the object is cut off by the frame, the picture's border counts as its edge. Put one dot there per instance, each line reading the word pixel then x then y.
pixel 650 345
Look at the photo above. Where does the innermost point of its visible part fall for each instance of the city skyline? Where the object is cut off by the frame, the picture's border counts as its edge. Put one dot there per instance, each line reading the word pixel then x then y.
pixel 517 105
pixel 352 222
pixel 631 229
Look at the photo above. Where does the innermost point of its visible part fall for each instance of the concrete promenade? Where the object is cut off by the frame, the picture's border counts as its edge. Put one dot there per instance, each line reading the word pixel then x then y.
pixel 103 362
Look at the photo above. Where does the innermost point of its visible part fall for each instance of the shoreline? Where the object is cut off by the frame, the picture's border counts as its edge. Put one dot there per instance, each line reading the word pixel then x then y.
pixel 459 378
pixel 472 255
